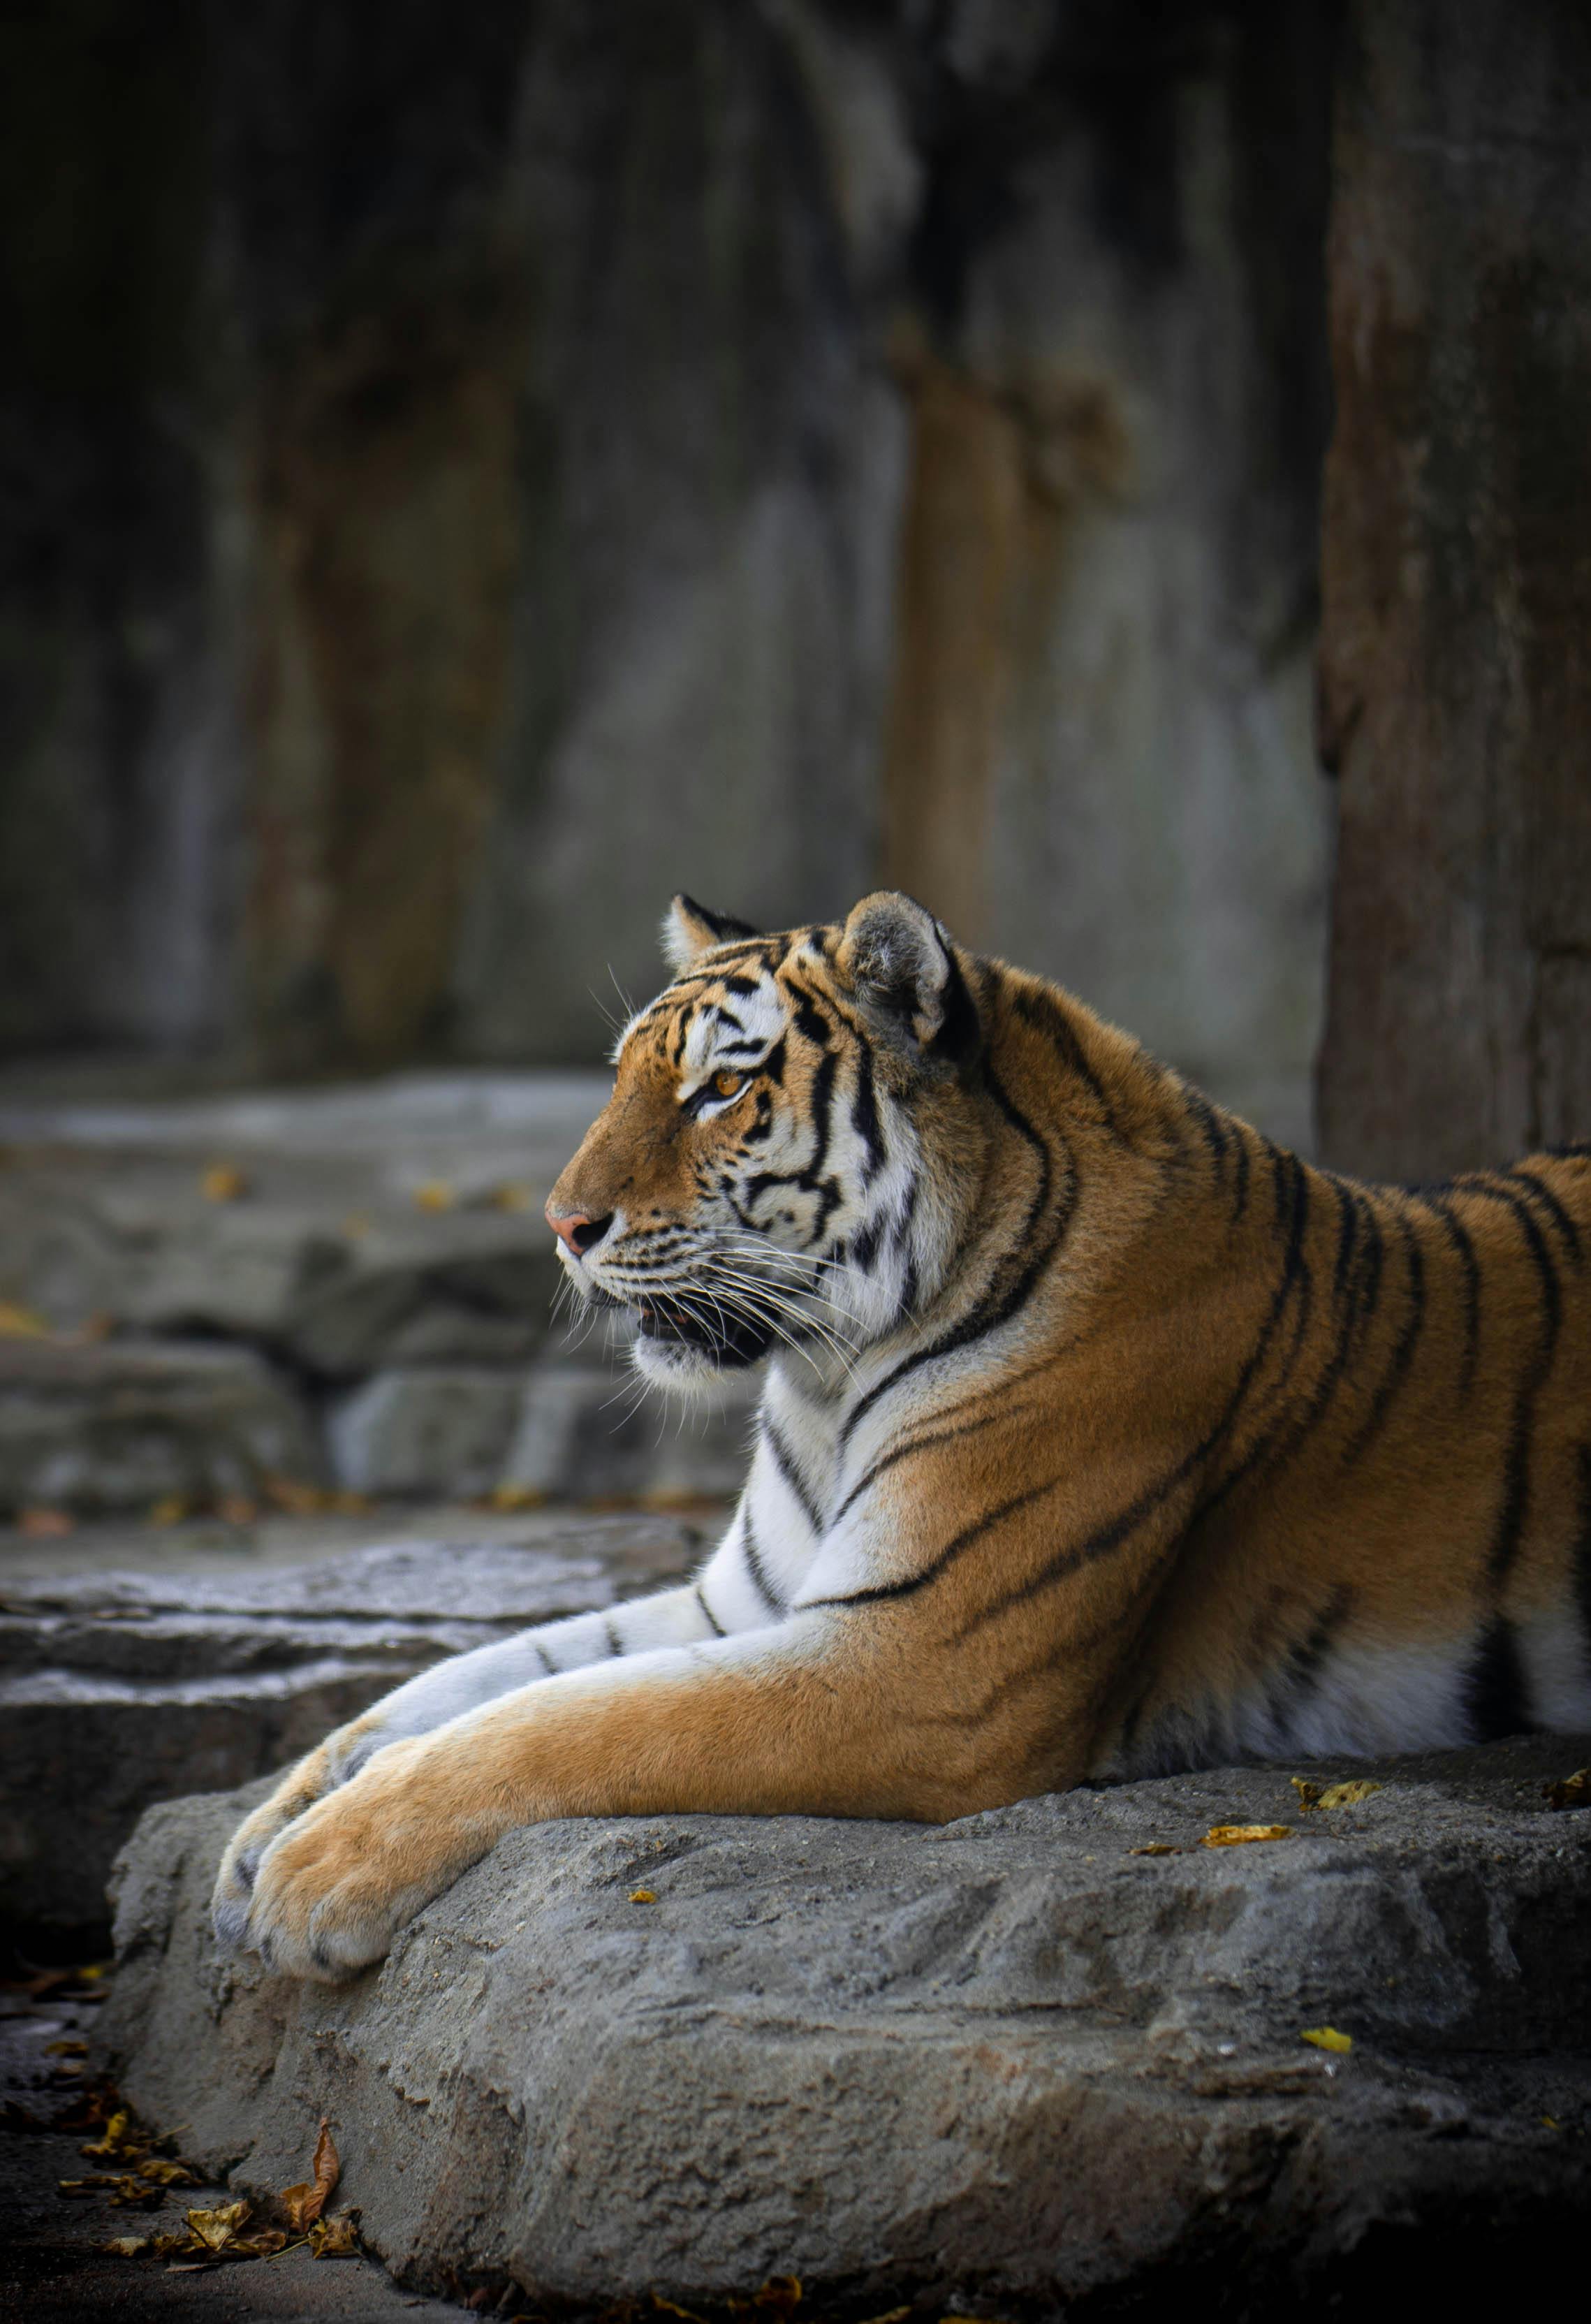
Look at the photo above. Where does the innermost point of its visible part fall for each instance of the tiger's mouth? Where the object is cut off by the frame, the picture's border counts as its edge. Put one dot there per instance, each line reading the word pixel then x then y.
pixel 728 1339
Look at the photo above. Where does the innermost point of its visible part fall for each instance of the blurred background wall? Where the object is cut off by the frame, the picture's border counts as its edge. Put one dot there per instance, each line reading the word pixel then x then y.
pixel 468 471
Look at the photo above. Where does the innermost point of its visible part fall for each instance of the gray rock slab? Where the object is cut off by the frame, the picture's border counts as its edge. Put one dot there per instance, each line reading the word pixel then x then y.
pixel 431 1429
pixel 584 1429
pixel 125 1685
pixel 120 1425
pixel 1009 2060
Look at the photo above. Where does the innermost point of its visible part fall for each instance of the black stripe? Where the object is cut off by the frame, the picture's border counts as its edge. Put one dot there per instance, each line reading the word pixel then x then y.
pixel 544 1659
pixel 1386 1392
pixel 1542 1192
pixel 947 1556
pixel 1240 1191
pixel 864 1119
pixel 615 1643
pixel 1210 1126
pixel 785 1462
pixel 1496 1693
pixel 754 1566
pixel 1583 1550
pixel 1509 1530
pixel 1457 1234
pixel 1046 1015
pixel 713 1624
pixel 1012 1284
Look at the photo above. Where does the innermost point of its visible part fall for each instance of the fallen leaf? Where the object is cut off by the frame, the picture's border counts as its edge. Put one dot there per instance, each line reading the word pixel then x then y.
pixel 1238 1835
pixel 1548 2123
pixel 1573 1792
pixel 18 1323
pixel 165 2173
pixel 305 2203
pixel 1332 1795
pixel 293 1495
pixel 1326 2037
pixel 346 1503
pixel 117 2139
pixel 68 2050
pixel 780 2292
pixel 216 2229
pixel 434 1194
pixel 137 2193
pixel 224 1182
pixel 643 1896
pixel 337 2237
pixel 169 1511
pixel 43 1525
pixel 129 2247
pixel 237 1510
pixel 673 2307
pixel 1156 1847
pixel 517 1497
pixel 265 2245
pixel 77 2187
pixel 509 1197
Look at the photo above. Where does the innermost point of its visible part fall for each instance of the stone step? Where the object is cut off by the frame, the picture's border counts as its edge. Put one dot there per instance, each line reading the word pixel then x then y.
pixel 139 1668
pixel 351 1288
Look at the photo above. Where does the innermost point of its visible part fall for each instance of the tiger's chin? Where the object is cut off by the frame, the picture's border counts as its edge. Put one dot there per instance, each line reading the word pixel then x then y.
pixel 685 1355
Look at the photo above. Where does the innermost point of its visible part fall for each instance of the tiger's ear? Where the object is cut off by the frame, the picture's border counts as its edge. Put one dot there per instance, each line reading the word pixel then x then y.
pixel 689 929
pixel 898 960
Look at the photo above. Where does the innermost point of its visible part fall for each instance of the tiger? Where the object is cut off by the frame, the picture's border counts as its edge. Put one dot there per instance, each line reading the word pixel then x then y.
pixel 1099 1437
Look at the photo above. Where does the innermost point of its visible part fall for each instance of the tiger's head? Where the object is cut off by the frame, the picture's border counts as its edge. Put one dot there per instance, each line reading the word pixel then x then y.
pixel 784 1160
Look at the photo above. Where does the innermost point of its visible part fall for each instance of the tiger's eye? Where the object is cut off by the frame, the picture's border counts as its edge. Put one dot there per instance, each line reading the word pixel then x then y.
pixel 727 1083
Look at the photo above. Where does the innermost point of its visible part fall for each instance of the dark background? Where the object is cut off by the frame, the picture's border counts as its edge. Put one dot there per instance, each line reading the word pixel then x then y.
pixel 465 472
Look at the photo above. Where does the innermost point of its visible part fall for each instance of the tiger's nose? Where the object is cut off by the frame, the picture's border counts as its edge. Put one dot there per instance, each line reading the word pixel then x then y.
pixel 577 1229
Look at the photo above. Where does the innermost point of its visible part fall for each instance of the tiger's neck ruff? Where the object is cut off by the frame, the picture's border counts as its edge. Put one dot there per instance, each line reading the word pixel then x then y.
pixel 1100 1436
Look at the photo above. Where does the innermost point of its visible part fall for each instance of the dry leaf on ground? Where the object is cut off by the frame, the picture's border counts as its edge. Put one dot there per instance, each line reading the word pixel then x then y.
pixel 435 1195
pixel 304 2204
pixel 1326 2037
pixel 1156 1847
pixel 643 1896
pixel 1573 1792
pixel 1332 1796
pixel 1239 1835
pixel 19 1323
pixel 337 2237
pixel 216 2229
pixel 223 1183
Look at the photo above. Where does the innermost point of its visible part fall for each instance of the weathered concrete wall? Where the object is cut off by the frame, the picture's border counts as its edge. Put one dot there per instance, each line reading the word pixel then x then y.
pixel 1457 648
pixel 567 454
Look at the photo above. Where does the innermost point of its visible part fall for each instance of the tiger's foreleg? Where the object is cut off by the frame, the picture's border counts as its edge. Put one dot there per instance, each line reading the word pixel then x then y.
pixel 816 1715
pixel 463 1684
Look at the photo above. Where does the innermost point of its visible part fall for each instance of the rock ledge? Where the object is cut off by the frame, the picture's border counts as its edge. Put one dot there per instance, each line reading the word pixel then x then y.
pixel 1009 2059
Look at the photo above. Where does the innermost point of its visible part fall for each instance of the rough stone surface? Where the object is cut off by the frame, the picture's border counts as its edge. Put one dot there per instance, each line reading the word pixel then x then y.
pixel 1010 2059
pixel 128 1675
pixel 582 1420
pixel 120 1425
pixel 812 441
pixel 1456 681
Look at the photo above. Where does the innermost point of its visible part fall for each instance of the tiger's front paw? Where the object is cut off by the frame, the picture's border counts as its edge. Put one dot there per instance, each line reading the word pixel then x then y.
pixel 333 1763
pixel 333 1888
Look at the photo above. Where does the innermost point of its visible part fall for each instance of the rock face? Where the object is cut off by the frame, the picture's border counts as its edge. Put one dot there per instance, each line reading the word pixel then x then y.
pixel 137 1674
pixel 1017 2058
pixel 1455 683
pixel 817 442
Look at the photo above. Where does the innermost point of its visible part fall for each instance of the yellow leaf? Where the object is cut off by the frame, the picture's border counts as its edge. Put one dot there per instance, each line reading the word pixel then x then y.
pixel 1238 1835
pixel 304 2204
pixel 223 1183
pixel 170 1511
pixel 1155 1847
pixel 167 2174
pixel 518 1496
pixel 434 1194
pixel 129 2247
pixel 265 2245
pixel 71 2050
pixel 510 1198
pixel 216 2229
pixel 1573 1792
pixel 18 1323
pixel 643 1897
pixel 293 1495
pixel 337 2237
pixel 115 2140
pixel 1326 2037
pixel 1332 1796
